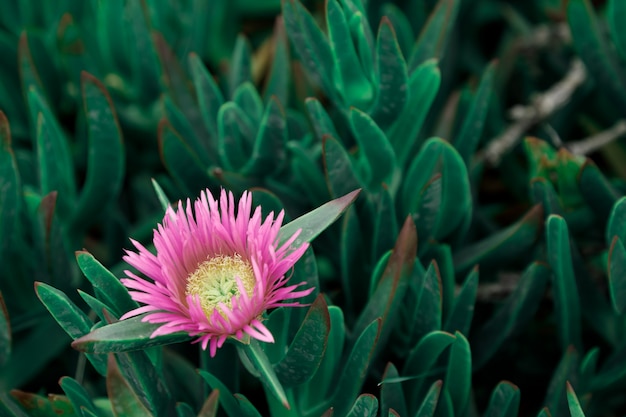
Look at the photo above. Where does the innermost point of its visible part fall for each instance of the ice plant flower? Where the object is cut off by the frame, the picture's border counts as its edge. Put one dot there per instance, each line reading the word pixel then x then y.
pixel 215 272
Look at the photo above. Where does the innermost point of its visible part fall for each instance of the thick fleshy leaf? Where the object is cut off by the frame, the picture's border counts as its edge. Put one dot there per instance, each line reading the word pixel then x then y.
pixel 617 222
pixel 143 58
pixel 567 370
pixel 385 224
pixel 434 36
pixel 597 190
pixel 108 288
pixel 10 186
pixel 593 49
pixel 575 409
pixel 391 394
pixel 429 309
pixel 504 401
pixel 72 319
pixel 78 395
pixel 236 135
pixel 232 404
pixel 378 159
pixel 321 121
pixel 468 138
pixel 458 379
pixel 240 70
pixel 209 408
pixel 315 222
pixel 341 173
pixel 311 45
pixel 460 318
pixel 566 299
pixel 514 313
pixel 277 83
pixel 503 245
pixel 56 169
pixel 126 335
pixel 124 400
pixel 105 165
pixel 385 301
pixel 431 399
pixel 366 405
pixel 392 77
pixel 353 373
pixel 209 96
pixel 261 363
pixel 307 349
pixel 436 190
pixel 180 160
pixel 421 364
pixel 617 275
pixel 616 14
pixel 269 151
pixel 423 86
pixel 5 333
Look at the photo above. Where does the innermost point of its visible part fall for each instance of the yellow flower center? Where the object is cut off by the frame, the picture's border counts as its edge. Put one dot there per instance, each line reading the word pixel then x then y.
pixel 214 281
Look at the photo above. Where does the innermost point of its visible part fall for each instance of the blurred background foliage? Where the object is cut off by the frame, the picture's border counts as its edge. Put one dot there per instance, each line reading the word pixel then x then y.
pixel 484 134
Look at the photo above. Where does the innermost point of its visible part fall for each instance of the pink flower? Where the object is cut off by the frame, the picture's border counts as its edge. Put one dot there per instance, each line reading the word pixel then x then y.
pixel 215 271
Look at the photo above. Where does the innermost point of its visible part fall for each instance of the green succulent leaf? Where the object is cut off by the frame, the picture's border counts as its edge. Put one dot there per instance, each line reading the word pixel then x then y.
pixel 124 399
pixel 232 404
pixel 566 299
pixel 10 185
pixel 353 373
pixel 572 401
pixel 616 226
pixel 616 13
pixel 392 78
pixel 269 151
pixel 354 84
pixel 126 335
pixel 341 174
pixel 315 222
pixel 467 140
pixel 422 89
pixel 209 408
pixel 311 45
pixel 5 333
pixel 567 370
pixel 422 363
pixel 108 288
pixel 597 190
pixel 431 399
pixel 385 301
pixel 366 405
pixel 460 317
pixel 65 312
pixel 53 155
pixel 430 307
pixel 241 64
pixel 458 379
pixel 78 395
pixel 436 190
pixel 307 349
pixel 105 167
pixel 504 401
pixel 433 39
pixel 593 49
pixel 502 245
pixel 277 83
pixel 378 158
pixel 617 275
pixel 391 394
pixel 180 160
pixel 321 121
pixel 236 135
pixel 514 313
pixel 209 96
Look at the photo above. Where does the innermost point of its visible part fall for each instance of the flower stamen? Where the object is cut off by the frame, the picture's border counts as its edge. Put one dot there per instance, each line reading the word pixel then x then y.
pixel 215 281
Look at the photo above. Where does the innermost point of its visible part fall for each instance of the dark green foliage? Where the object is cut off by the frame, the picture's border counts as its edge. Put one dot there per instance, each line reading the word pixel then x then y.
pixel 464 283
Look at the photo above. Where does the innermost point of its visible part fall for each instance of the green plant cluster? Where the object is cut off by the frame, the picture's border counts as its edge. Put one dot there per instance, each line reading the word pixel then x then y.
pixel 466 279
